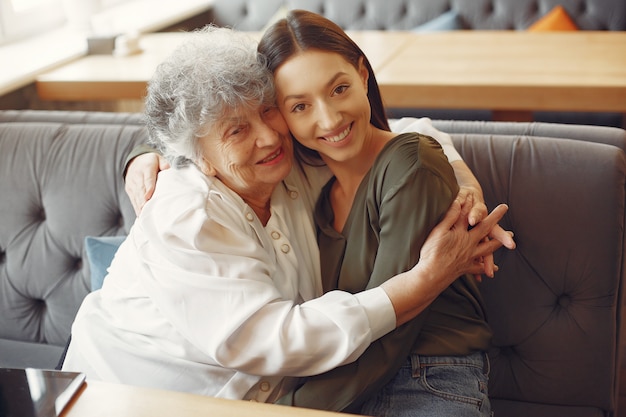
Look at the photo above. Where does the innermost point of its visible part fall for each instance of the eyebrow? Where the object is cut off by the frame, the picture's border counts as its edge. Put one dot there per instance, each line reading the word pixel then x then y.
pixel 328 84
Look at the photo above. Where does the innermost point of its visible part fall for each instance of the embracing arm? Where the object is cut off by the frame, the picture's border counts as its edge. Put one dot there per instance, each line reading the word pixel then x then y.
pixel 469 187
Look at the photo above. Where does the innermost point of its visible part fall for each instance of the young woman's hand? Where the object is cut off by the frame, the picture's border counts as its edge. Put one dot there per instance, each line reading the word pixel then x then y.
pixel 477 211
pixel 141 177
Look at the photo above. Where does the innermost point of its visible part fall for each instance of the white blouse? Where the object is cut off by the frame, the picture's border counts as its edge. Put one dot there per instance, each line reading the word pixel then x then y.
pixel 202 298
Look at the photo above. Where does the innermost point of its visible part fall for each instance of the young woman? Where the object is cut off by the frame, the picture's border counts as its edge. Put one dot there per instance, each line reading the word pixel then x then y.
pixel 387 193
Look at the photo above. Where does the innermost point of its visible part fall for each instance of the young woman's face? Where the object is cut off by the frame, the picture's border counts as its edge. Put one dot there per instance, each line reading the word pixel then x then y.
pixel 249 150
pixel 324 100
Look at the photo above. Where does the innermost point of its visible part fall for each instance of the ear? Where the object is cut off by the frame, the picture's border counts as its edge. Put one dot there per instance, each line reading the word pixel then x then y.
pixel 363 72
pixel 207 168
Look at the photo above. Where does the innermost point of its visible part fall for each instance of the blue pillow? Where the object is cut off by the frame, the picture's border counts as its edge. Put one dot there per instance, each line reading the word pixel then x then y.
pixel 100 252
pixel 450 20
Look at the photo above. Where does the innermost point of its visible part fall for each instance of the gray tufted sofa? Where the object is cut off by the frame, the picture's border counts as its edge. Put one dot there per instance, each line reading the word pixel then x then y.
pixel 60 180
pixel 556 306
pixel 408 14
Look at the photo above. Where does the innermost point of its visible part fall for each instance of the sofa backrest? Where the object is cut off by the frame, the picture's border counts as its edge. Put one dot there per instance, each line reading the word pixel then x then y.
pixel 60 180
pixel 556 305
pixel 408 14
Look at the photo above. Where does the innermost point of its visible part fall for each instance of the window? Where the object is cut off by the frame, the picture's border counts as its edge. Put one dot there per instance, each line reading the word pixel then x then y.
pixel 22 18
pixel 110 3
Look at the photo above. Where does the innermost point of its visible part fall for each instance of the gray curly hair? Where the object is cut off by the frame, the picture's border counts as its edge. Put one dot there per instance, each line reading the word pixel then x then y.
pixel 215 71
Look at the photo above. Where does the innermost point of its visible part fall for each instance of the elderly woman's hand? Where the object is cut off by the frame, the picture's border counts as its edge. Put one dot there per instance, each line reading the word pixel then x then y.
pixel 452 247
pixel 141 177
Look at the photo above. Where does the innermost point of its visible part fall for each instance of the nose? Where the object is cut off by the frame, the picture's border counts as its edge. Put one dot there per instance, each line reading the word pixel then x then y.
pixel 272 128
pixel 267 134
pixel 327 117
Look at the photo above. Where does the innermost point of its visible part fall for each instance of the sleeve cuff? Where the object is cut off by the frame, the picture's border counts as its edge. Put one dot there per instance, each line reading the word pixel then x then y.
pixel 379 311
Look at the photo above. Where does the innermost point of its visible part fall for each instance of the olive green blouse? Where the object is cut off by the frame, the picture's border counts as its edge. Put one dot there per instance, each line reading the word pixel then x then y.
pixel 405 194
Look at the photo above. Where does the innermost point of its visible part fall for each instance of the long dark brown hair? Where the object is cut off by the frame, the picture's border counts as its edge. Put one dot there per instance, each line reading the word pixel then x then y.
pixel 301 30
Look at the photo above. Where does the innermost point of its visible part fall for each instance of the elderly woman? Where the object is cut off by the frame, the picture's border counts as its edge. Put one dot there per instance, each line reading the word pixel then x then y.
pixel 217 288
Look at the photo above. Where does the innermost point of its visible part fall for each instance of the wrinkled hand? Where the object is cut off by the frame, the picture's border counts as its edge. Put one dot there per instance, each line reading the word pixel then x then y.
pixel 452 250
pixel 477 211
pixel 141 177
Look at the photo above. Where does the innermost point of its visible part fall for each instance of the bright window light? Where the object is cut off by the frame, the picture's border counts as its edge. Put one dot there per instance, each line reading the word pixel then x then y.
pixel 20 6
pixel 23 18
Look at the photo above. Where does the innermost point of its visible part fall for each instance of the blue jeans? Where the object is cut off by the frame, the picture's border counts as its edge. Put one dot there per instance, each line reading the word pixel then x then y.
pixel 435 386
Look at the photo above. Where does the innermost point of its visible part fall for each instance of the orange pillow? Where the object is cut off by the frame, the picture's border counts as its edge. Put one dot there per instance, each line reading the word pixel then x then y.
pixel 556 19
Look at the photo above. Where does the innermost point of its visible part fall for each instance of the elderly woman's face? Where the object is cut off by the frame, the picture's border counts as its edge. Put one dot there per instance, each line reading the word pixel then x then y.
pixel 250 150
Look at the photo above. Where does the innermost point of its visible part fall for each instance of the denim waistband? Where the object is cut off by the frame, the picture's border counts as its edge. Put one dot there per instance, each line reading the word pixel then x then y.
pixel 478 360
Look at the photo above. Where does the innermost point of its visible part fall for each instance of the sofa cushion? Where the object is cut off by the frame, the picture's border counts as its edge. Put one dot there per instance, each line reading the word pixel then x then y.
pixel 18 354
pixel 556 19
pixel 100 252
pixel 449 20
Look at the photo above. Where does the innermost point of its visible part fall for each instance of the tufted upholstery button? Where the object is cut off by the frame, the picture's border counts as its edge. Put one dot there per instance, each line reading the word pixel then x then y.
pixel 363 10
pixel 2 256
pixel 404 9
pixel 507 351
pixel 41 215
pixel 564 300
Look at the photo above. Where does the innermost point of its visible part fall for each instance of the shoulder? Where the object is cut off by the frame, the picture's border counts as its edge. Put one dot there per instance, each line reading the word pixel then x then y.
pixel 411 158
pixel 411 149
pixel 187 201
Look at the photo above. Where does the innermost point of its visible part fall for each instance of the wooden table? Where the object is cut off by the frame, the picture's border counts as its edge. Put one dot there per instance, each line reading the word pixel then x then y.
pixel 106 77
pixel 100 399
pixel 511 72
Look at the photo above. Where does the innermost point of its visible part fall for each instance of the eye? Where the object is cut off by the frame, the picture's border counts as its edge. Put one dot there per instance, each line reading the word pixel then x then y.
pixel 298 108
pixel 340 89
pixel 235 130
pixel 268 110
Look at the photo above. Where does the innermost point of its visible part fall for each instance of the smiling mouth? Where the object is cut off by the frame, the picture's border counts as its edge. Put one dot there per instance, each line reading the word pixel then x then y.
pixel 339 137
pixel 271 157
